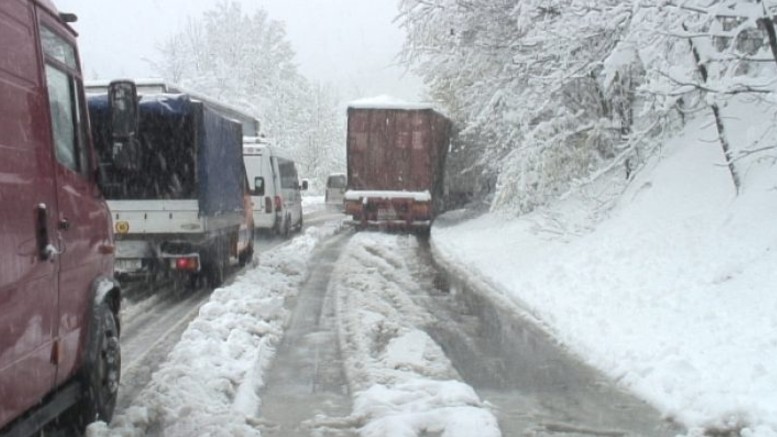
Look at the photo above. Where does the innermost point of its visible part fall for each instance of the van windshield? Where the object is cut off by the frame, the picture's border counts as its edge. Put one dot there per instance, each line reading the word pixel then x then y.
pixel 336 181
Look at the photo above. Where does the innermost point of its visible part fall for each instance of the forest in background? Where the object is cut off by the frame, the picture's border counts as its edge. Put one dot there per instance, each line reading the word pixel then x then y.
pixel 549 96
pixel 246 60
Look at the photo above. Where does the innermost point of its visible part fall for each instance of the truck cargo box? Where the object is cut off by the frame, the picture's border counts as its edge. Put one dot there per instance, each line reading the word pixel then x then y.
pixel 396 158
pixel 178 195
pixel 188 152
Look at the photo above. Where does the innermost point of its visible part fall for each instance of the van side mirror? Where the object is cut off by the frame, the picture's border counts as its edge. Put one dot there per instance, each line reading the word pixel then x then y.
pixel 304 184
pixel 124 115
pixel 258 186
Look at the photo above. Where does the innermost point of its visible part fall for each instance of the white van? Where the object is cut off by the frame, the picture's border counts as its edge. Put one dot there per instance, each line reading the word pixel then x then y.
pixel 275 187
pixel 336 184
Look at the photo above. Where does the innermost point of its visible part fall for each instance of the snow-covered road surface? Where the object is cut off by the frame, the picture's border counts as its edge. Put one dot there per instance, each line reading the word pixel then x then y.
pixel 426 354
pixel 343 334
pixel 306 378
pixel 150 330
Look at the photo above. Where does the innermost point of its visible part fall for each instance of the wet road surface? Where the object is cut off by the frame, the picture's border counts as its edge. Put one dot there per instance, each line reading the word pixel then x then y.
pixel 536 387
pixel 306 380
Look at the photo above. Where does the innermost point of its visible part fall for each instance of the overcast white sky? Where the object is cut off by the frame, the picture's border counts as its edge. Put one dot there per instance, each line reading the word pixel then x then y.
pixel 351 43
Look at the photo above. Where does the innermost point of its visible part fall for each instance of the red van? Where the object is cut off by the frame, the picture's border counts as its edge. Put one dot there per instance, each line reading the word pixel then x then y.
pixel 59 303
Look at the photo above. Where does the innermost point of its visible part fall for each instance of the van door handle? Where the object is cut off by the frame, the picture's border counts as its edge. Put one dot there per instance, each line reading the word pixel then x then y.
pixel 45 250
pixel 64 224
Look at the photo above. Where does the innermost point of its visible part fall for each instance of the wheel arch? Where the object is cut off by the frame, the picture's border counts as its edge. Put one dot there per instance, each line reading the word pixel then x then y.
pixel 107 290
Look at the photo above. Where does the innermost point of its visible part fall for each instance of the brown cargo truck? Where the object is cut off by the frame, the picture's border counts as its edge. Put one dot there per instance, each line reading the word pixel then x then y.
pixel 396 158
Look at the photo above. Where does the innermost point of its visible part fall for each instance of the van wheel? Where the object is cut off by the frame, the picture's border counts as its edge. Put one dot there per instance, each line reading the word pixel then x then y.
pixel 299 225
pixel 287 226
pixel 101 371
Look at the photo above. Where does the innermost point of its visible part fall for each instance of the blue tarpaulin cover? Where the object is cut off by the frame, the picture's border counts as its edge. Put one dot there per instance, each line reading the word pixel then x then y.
pixel 187 151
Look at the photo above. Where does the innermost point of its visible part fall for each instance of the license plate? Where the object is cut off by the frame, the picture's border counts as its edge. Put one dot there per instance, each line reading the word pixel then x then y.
pixel 127 265
pixel 386 214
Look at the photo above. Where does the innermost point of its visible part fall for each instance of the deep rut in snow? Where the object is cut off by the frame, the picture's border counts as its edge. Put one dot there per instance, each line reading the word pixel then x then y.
pixel 306 380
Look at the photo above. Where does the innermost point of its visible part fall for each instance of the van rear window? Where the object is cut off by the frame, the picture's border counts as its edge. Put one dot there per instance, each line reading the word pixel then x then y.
pixel 288 172
pixel 336 181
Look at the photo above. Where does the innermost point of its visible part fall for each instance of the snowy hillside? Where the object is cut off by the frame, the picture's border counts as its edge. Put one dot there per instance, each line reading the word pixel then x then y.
pixel 670 291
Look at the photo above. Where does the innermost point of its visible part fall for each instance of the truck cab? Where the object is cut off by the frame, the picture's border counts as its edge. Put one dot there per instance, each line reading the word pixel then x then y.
pixel 59 303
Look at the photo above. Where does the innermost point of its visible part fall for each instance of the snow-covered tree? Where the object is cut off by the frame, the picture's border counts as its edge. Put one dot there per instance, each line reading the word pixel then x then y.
pixel 246 60
pixel 549 94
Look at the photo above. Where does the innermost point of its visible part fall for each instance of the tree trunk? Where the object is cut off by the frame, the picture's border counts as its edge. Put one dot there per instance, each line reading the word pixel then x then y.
pixel 718 119
pixel 768 25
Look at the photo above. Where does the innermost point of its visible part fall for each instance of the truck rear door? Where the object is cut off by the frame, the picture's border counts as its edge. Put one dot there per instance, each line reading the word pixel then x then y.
pixel 28 285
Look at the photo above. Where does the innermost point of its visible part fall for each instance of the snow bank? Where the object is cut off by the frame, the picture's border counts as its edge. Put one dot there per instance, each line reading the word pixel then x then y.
pixel 210 382
pixel 679 280
pixel 403 383
pixel 672 295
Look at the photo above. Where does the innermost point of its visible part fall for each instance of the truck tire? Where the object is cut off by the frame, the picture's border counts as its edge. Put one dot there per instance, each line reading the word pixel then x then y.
pixel 101 371
pixel 217 262
pixel 246 255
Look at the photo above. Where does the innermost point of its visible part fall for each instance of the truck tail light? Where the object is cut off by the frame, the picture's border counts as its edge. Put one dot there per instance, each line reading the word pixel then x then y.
pixel 187 264
pixel 422 210
pixel 278 203
pixel 352 207
pixel 268 204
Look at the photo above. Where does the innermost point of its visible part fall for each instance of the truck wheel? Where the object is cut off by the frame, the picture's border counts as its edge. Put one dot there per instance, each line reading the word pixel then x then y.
pixel 216 274
pixel 102 370
pixel 216 267
pixel 246 255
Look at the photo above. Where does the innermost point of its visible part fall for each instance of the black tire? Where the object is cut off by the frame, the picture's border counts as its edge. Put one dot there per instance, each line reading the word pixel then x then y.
pixel 102 370
pixel 287 227
pixel 194 281
pixel 299 225
pixel 247 255
pixel 216 266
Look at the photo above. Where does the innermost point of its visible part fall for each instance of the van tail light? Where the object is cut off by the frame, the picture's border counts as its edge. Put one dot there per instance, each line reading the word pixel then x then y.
pixel 189 264
pixel 278 203
pixel 268 204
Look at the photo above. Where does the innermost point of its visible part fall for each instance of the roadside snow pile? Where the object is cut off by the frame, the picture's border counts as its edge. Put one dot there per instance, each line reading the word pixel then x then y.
pixel 403 383
pixel 673 295
pixel 210 381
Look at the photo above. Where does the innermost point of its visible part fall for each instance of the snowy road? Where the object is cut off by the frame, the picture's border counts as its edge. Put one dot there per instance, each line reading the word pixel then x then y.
pixel 536 388
pixel 400 313
pixel 150 330
pixel 384 294
pixel 343 333
pixel 153 319
pixel 306 378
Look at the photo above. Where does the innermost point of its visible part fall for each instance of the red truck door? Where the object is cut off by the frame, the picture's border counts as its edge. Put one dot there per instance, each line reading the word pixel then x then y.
pixel 28 282
pixel 82 220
